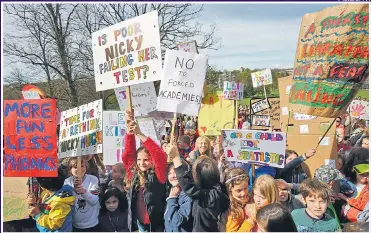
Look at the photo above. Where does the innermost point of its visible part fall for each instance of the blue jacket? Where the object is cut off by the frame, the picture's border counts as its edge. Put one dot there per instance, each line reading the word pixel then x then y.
pixel 178 214
pixel 56 214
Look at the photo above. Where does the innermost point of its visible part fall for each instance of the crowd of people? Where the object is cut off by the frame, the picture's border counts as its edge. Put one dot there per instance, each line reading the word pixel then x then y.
pixel 190 186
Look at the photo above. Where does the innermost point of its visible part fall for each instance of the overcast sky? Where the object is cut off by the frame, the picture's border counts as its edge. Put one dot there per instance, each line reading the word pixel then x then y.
pixel 252 35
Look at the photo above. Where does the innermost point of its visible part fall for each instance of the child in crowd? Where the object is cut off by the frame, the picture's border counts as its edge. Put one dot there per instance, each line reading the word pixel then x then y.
pixel 178 217
pixel 356 205
pixel 184 147
pixel 146 177
pixel 287 199
pixel 316 196
pixel 275 218
pixel 86 191
pixel 53 211
pixel 113 215
pixel 265 192
pixel 237 183
pixel 118 175
pixel 292 171
pixel 209 200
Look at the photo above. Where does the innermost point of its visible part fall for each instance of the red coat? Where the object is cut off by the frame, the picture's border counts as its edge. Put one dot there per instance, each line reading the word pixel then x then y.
pixel 158 157
pixel 357 204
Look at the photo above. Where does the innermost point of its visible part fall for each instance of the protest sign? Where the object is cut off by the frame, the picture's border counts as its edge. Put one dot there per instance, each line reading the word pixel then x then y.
pixel 147 127
pixel 114 131
pixel 233 91
pixel 252 146
pixel 30 140
pixel 261 120
pixel 216 113
pixel 143 98
pixel 81 130
pixel 190 47
pixel 262 78
pixel 127 53
pixel 182 83
pixel 14 198
pixel 359 109
pixel 29 95
pixel 259 106
pixel 30 91
pixel 331 61
pixel 269 117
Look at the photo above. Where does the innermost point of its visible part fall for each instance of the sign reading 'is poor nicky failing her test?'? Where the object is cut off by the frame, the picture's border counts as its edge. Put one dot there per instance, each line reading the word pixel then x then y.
pixel 252 146
pixel 182 83
pixel 30 140
pixel 81 130
pixel 127 53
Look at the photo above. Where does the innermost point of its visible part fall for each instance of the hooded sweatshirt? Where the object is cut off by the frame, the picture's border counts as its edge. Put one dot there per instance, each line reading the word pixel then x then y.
pixel 56 211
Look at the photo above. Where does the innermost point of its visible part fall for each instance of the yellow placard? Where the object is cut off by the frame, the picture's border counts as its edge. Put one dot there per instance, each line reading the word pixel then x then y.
pixel 15 193
pixel 216 113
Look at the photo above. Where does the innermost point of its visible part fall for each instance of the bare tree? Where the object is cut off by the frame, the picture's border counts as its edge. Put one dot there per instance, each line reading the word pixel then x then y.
pixel 58 37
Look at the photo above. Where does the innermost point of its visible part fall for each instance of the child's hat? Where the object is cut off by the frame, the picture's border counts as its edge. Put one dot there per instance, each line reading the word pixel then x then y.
pixel 327 174
pixel 361 168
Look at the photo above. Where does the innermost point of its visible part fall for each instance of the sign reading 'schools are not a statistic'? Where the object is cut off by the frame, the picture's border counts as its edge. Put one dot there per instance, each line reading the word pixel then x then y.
pixel 81 130
pixel 252 146
pixel 30 140
pixel 182 83
pixel 127 53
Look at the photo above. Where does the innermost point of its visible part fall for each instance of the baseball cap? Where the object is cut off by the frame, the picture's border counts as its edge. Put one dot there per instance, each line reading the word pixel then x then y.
pixel 327 174
pixel 361 168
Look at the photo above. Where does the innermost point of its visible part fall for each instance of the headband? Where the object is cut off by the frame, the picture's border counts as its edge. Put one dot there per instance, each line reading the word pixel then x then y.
pixel 235 177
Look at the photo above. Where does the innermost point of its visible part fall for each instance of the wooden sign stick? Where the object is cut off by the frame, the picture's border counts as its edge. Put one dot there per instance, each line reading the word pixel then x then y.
pixel 172 138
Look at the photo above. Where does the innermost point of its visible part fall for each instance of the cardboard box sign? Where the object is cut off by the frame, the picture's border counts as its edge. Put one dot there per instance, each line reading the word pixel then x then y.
pixel 305 131
pixel 331 62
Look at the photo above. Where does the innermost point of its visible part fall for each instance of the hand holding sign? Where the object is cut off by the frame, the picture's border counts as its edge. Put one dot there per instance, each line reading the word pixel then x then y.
pixel 310 153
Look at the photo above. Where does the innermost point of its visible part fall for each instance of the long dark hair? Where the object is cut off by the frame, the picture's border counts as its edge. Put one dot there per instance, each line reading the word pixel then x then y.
pixel 275 218
pixel 113 192
pixel 356 155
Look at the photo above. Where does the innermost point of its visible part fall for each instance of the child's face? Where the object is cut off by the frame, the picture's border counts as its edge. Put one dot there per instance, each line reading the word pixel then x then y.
pixel 339 164
pixel 259 199
pixel 363 178
pixel 144 161
pixel 74 168
pixel 116 174
pixel 112 203
pixel 172 177
pixel 203 146
pixel 283 194
pixel 240 192
pixel 316 206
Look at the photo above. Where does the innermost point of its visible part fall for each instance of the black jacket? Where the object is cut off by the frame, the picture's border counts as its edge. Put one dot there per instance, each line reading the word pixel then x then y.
pixel 208 204
pixel 155 199
pixel 292 172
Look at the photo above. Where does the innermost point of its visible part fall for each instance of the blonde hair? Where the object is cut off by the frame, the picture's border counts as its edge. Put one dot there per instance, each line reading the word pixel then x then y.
pixel 121 168
pixel 207 140
pixel 267 187
pixel 235 176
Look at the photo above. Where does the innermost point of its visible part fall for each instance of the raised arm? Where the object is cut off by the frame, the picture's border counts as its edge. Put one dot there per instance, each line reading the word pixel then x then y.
pixel 129 154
